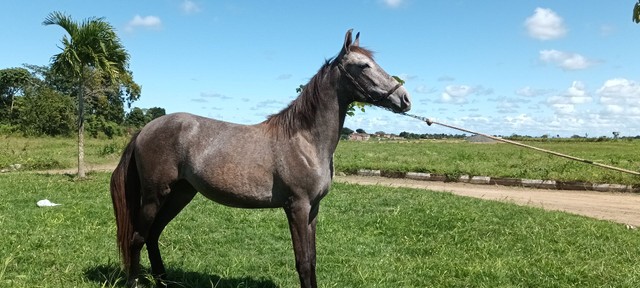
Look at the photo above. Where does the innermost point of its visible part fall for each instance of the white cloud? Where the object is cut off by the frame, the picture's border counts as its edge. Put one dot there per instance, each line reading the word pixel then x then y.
pixel 577 93
pixel 393 3
pixel 407 77
pixel 446 78
pixel 150 21
pixel 563 109
pixel 565 60
pixel 190 7
pixel 521 122
pixel 566 103
pixel 620 87
pixel 507 106
pixel 615 109
pixel 457 94
pixel 545 24
pixel 528 91
pixel 569 123
pixel 214 95
pixel 620 96
pixel 423 89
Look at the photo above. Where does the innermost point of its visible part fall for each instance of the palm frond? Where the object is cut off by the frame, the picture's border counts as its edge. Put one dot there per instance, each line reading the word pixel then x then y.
pixel 94 44
pixel 63 20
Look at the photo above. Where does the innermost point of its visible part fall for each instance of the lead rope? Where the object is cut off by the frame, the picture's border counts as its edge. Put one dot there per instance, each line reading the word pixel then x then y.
pixel 430 122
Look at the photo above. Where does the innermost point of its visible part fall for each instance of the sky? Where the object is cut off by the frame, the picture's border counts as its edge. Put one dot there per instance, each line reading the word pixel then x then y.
pixel 498 67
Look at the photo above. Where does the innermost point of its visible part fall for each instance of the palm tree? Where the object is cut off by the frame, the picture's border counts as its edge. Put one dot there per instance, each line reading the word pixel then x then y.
pixel 91 47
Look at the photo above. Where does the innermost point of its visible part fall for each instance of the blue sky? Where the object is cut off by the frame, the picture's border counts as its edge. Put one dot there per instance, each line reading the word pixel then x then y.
pixel 498 67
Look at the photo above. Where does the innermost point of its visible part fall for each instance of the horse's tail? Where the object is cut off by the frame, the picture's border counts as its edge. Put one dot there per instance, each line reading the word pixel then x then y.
pixel 125 195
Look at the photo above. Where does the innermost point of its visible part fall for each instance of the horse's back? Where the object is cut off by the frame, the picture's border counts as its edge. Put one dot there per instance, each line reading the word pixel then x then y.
pixel 227 162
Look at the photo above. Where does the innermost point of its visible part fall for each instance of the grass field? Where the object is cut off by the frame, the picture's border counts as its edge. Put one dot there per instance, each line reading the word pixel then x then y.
pixel 455 158
pixel 367 237
pixel 55 153
pixel 452 158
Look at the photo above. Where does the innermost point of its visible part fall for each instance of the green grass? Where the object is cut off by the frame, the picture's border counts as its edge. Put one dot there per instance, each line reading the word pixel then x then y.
pixel 44 153
pixel 456 158
pixel 452 158
pixel 368 236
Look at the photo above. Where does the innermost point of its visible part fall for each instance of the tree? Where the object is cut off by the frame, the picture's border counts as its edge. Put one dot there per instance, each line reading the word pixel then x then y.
pixel 12 82
pixel 104 101
pixel 91 47
pixel 636 12
pixel 136 118
pixel 345 132
pixel 361 131
pixel 43 111
pixel 154 112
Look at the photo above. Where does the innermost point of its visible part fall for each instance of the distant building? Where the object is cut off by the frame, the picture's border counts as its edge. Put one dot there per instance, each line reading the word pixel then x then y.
pixel 359 136
pixel 388 136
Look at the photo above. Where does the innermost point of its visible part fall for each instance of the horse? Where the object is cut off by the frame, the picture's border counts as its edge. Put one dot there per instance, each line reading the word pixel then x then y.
pixel 284 162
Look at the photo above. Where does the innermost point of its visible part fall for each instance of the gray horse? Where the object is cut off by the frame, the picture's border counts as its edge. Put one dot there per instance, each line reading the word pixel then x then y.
pixel 285 161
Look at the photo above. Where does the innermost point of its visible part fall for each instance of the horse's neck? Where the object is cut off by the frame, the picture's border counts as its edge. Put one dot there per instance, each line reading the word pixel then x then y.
pixel 326 129
pixel 316 116
pixel 329 121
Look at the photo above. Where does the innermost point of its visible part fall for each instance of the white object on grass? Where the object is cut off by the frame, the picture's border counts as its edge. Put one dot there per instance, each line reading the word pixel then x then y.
pixel 46 203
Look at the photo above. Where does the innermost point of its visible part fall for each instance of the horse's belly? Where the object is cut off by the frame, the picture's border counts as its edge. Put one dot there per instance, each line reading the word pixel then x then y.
pixel 239 193
pixel 241 200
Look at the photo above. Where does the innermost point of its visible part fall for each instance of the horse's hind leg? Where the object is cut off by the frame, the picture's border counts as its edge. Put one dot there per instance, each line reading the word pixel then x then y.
pixel 181 194
pixel 149 206
pixel 151 198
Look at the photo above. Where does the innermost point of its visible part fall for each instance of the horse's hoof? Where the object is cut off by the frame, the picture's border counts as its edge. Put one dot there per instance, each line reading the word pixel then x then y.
pixel 132 283
pixel 160 280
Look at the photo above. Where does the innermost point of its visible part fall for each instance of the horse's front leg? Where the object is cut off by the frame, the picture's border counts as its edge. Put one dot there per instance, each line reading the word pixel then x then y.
pixel 302 224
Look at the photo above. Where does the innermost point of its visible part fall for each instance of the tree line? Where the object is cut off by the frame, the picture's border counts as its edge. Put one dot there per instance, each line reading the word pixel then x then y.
pixel 345 132
pixel 36 101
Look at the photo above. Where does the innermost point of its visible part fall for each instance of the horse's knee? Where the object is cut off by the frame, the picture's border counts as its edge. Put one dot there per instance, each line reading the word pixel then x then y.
pixel 137 241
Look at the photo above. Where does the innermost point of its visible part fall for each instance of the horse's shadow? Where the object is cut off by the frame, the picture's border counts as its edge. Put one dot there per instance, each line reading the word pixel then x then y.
pixel 112 276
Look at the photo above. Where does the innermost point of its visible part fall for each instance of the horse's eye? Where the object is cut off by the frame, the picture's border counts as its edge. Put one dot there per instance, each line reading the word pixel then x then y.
pixel 364 66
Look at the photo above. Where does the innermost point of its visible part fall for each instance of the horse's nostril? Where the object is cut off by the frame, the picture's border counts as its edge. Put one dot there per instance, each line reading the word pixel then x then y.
pixel 405 103
pixel 406 100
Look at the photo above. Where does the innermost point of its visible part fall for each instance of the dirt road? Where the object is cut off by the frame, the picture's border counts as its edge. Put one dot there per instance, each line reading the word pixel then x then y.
pixel 619 207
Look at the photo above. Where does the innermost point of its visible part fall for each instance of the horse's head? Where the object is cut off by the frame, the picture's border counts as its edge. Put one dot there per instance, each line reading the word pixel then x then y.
pixel 367 81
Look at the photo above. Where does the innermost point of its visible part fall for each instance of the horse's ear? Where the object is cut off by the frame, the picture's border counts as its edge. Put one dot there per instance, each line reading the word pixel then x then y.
pixel 357 41
pixel 347 42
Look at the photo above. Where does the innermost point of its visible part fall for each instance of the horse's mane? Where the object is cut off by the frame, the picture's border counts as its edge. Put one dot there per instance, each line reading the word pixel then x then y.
pixel 301 112
pixel 362 50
